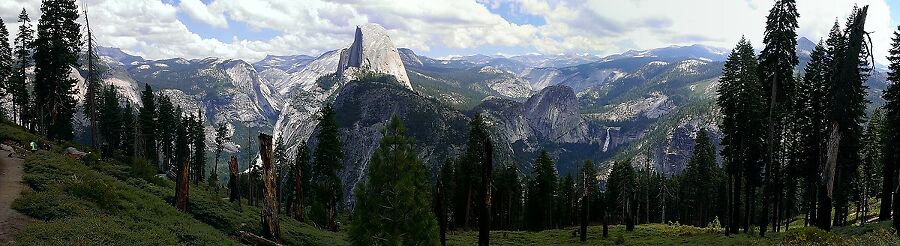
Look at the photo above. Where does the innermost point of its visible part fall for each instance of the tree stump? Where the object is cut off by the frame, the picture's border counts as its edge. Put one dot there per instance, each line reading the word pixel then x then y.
pixel 234 186
pixel 270 226
pixel 182 187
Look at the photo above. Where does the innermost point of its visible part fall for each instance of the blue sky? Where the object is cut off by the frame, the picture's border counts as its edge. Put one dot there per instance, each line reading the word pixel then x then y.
pixel 251 29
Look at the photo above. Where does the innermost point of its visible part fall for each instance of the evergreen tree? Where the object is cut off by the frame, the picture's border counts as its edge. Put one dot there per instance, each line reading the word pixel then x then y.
pixel 702 179
pixel 777 61
pixel 147 126
pixel 166 119
pixel 18 84
pixel 588 188
pixel 621 191
pixel 869 177
pixel 222 137
pixel 741 99
pixel 282 172
pixel 56 52
pixel 6 61
pixel 198 142
pixel 811 104
pixel 846 108
pixel 182 142
pixel 447 187
pixel 891 137
pixel 111 121
pixel 301 173
pixel 468 195
pixel 565 206
pixel 392 205
pixel 507 198
pixel 129 130
pixel 328 162
pixel 541 190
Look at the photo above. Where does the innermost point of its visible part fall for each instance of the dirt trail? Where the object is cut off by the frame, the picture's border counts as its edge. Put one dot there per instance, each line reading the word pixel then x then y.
pixel 11 221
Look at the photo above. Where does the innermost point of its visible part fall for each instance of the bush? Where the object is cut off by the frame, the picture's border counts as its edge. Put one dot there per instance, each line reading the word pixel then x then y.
pixel 810 236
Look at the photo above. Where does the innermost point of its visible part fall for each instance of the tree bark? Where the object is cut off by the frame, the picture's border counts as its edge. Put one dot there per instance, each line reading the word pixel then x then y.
pixel 828 175
pixel 182 186
pixel 271 229
pixel 234 181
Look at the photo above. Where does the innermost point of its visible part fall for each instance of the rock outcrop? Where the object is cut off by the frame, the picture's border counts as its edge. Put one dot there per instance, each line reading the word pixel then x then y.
pixel 372 50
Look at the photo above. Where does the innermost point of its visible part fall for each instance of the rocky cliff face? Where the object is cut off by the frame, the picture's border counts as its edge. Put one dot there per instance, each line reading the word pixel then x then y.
pixel 372 50
pixel 321 81
pixel 365 107
pixel 553 114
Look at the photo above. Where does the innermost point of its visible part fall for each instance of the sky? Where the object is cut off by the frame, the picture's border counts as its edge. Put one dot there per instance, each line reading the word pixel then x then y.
pixel 252 29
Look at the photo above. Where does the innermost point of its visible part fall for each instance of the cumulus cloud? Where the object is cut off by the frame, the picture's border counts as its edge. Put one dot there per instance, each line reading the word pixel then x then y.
pixel 199 11
pixel 152 28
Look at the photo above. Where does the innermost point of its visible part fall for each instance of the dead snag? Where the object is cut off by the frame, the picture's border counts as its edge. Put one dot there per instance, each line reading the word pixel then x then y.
pixel 234 186
pixel 182 186
pixel 270 202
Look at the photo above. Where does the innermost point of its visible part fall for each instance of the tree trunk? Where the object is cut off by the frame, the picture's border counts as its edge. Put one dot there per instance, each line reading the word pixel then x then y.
pixel 234 181
pixel 182 186
pixel 749 197
pixel 484 233
pixel 585 206
pixel 889 174
pixel 297 206
pixel 828 175
pixel 441 212
pixel 271 229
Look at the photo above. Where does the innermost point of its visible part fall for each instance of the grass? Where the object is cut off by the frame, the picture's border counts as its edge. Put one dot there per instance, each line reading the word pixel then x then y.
pixel 98 202
pixel 660 234
pixel 81 206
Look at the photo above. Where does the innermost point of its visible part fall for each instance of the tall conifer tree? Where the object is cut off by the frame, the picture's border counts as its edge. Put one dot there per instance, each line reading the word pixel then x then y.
pixel 56 52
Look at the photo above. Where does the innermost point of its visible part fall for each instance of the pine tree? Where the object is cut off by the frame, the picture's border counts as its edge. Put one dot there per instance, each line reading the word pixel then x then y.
pixel 702 179
pixel 328 162
pixel 392 206
pixel 198 142
pixel 507 201
pixel 147 126
pixel 872 158
pixel 621 191
pixel 301 173
pixel 846 108
pixel 111 121
pixel 167 134
pixel 445 194
pixel 811 104
pixel 541 190
pixel 588 187
pixel 468 195
pixel 741 99
pixel 282 172
pixel 56 52
pixel 18 85
pixel 6 61
pixel 777 61
pixel 222 137
pixel 891 137
pixel 565 206
pixel 129 130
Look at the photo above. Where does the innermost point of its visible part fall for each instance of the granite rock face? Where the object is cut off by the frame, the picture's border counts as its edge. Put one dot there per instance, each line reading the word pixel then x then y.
pixel 372 50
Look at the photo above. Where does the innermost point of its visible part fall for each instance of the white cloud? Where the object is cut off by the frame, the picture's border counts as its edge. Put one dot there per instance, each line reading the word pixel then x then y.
pixel 199 11
pixel 151 28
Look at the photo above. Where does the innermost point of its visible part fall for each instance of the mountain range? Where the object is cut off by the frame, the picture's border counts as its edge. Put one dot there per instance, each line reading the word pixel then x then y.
pixel 645 105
